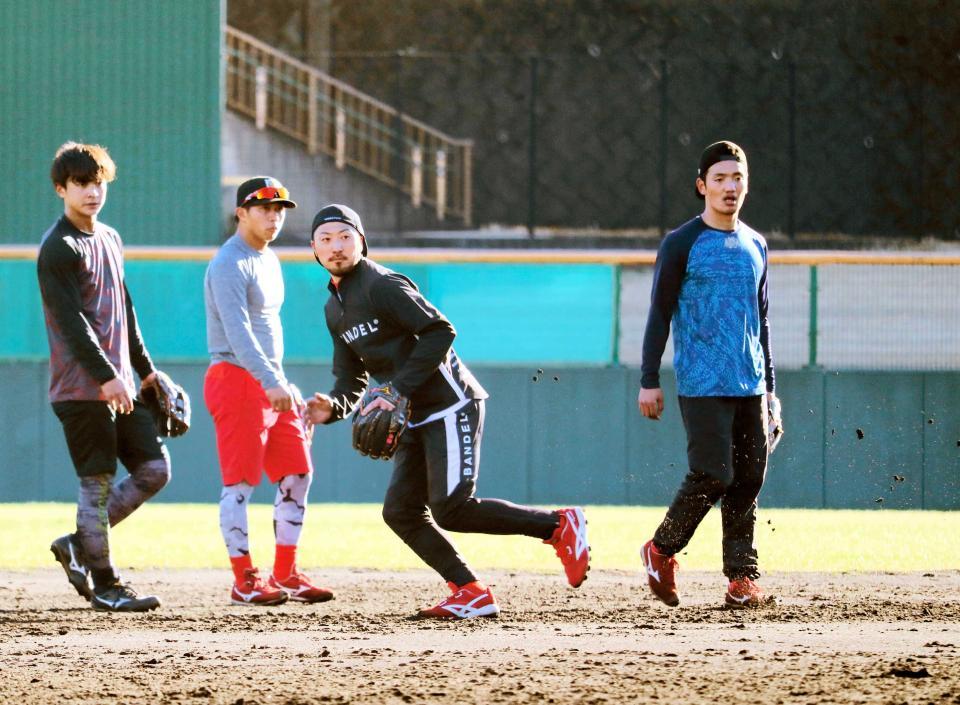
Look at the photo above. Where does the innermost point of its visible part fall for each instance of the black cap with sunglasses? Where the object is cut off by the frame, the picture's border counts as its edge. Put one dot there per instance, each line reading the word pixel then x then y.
pixel 263 189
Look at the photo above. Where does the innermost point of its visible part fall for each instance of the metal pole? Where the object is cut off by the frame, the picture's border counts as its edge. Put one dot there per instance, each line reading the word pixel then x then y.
pixel 664 146
pixel 260 97
pixel 792 152
pixel 532 151
pixel 312 126
pixel 617 276
pixel 812 331
pixel 398 146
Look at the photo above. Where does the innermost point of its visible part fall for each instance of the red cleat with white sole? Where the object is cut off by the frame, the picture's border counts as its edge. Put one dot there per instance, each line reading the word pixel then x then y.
pixel 569 540
pixel 472 600
pixel 744 593
pixel 299 588
pixel 255 592
pixel 661 573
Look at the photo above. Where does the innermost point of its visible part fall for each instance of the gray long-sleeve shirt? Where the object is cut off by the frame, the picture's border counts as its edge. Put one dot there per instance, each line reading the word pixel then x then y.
pixel 243 291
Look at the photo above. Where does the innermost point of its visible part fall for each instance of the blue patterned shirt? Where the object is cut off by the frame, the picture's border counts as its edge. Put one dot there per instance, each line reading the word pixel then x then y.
pixel 712 285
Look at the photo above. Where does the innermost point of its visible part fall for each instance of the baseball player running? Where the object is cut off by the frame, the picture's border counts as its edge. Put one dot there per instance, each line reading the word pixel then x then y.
pixel 257 412
pixel 95 348
pixel 382 326
pixel 710 279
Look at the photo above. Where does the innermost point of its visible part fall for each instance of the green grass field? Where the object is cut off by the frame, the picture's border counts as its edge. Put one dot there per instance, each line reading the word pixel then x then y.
pixel 353 535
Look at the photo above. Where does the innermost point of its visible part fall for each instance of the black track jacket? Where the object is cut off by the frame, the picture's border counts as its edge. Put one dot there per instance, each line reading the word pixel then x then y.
pixel 381 325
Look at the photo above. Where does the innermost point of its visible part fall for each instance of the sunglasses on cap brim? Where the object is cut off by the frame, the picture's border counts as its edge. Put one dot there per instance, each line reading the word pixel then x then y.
pixel 268 193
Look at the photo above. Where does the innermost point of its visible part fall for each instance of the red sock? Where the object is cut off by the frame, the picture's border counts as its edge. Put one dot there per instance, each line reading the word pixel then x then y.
pixel 241 564
pixel 284 561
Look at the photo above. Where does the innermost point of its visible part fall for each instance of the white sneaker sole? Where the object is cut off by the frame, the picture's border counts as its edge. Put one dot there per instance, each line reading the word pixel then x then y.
pixel 272 603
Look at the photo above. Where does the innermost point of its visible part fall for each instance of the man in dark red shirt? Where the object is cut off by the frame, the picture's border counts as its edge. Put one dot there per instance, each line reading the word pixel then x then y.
pixel 95 348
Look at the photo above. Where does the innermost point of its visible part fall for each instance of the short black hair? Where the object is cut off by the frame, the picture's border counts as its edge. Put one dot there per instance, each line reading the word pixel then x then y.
pixel 83 163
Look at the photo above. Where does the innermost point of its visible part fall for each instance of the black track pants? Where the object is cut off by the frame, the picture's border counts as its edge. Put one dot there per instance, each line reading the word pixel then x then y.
pixel 727 452
pixel 433 484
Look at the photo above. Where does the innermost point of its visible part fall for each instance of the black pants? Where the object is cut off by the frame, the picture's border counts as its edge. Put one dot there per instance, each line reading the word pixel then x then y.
pixel 727 452
pixel 433 484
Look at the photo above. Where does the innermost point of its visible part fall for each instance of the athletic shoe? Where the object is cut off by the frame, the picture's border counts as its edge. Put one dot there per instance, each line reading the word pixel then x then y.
pixel 744 593
pixel 122 598
pixel 254 591
pixel 570 542
pixel 298 587
pixel 471 600
pixel 661 573
pixel 67 552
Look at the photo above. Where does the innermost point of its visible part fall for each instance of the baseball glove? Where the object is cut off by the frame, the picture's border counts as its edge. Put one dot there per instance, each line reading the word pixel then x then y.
pixel 169 404
pixel 378 433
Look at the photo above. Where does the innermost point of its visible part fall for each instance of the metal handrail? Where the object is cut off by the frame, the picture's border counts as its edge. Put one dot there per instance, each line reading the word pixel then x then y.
pixel 330 116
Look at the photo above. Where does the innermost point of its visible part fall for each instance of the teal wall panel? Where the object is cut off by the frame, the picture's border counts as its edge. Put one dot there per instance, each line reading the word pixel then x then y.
pixel 795 471
pixel 170 309
pixel 941 441
pixel 21 318
pixel 510 314
pixel 579 446
pixel 888 409
pixel 22 447
pixel 510 432
pixel 138 76
pixel 540 314
pixel 656 457
pixel 579 439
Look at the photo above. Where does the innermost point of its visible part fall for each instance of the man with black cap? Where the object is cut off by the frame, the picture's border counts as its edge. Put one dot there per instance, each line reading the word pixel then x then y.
pixel 710 279
pixel 382 326
pixel 257 412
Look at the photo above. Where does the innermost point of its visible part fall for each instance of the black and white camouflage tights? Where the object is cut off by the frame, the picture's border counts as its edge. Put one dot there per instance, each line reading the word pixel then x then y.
pixel 289 508
pixel 102 504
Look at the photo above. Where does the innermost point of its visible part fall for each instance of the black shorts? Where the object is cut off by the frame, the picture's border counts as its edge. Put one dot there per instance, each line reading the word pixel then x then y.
pixel 97 436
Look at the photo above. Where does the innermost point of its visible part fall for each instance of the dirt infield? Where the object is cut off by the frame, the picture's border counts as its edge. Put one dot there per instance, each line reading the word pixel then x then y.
pixel 833 638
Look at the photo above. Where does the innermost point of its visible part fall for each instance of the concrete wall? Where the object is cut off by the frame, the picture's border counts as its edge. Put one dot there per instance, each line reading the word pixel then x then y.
pixel 313 180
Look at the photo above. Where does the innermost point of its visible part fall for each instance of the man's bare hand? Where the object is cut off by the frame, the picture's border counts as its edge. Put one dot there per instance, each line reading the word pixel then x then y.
pixel 319 409
pixel 280 398
pixel 117 396
pixel 650 402
pixel 378 403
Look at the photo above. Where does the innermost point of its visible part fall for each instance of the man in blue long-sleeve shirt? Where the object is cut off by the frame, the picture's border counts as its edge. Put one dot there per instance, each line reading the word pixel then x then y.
pixel 710 280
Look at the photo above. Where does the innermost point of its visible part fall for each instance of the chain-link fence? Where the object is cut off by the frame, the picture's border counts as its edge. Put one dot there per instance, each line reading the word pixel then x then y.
pixel 592 114
pixel 611 141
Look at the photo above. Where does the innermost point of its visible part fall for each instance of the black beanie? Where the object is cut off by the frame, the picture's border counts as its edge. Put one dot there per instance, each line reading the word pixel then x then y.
pixel 336 213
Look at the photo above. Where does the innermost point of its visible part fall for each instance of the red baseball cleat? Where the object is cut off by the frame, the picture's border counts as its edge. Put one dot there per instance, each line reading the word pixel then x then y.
pixel 661 573
pixel 744 593
pixel 570 542
pixel 299 588
pixel 254 591
pixel 472 600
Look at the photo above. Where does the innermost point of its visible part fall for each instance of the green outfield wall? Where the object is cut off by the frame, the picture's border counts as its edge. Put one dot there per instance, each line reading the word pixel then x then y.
pixel 546 341
pixel 138 76
pixel 577 439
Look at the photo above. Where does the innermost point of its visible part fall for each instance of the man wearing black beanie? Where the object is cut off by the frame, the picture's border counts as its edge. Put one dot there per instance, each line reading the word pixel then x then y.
pixel 382 326
pixel 710 280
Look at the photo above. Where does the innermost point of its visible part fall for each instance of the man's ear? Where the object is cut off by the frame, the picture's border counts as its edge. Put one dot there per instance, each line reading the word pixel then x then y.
pixel 701 187
pixel 61 190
